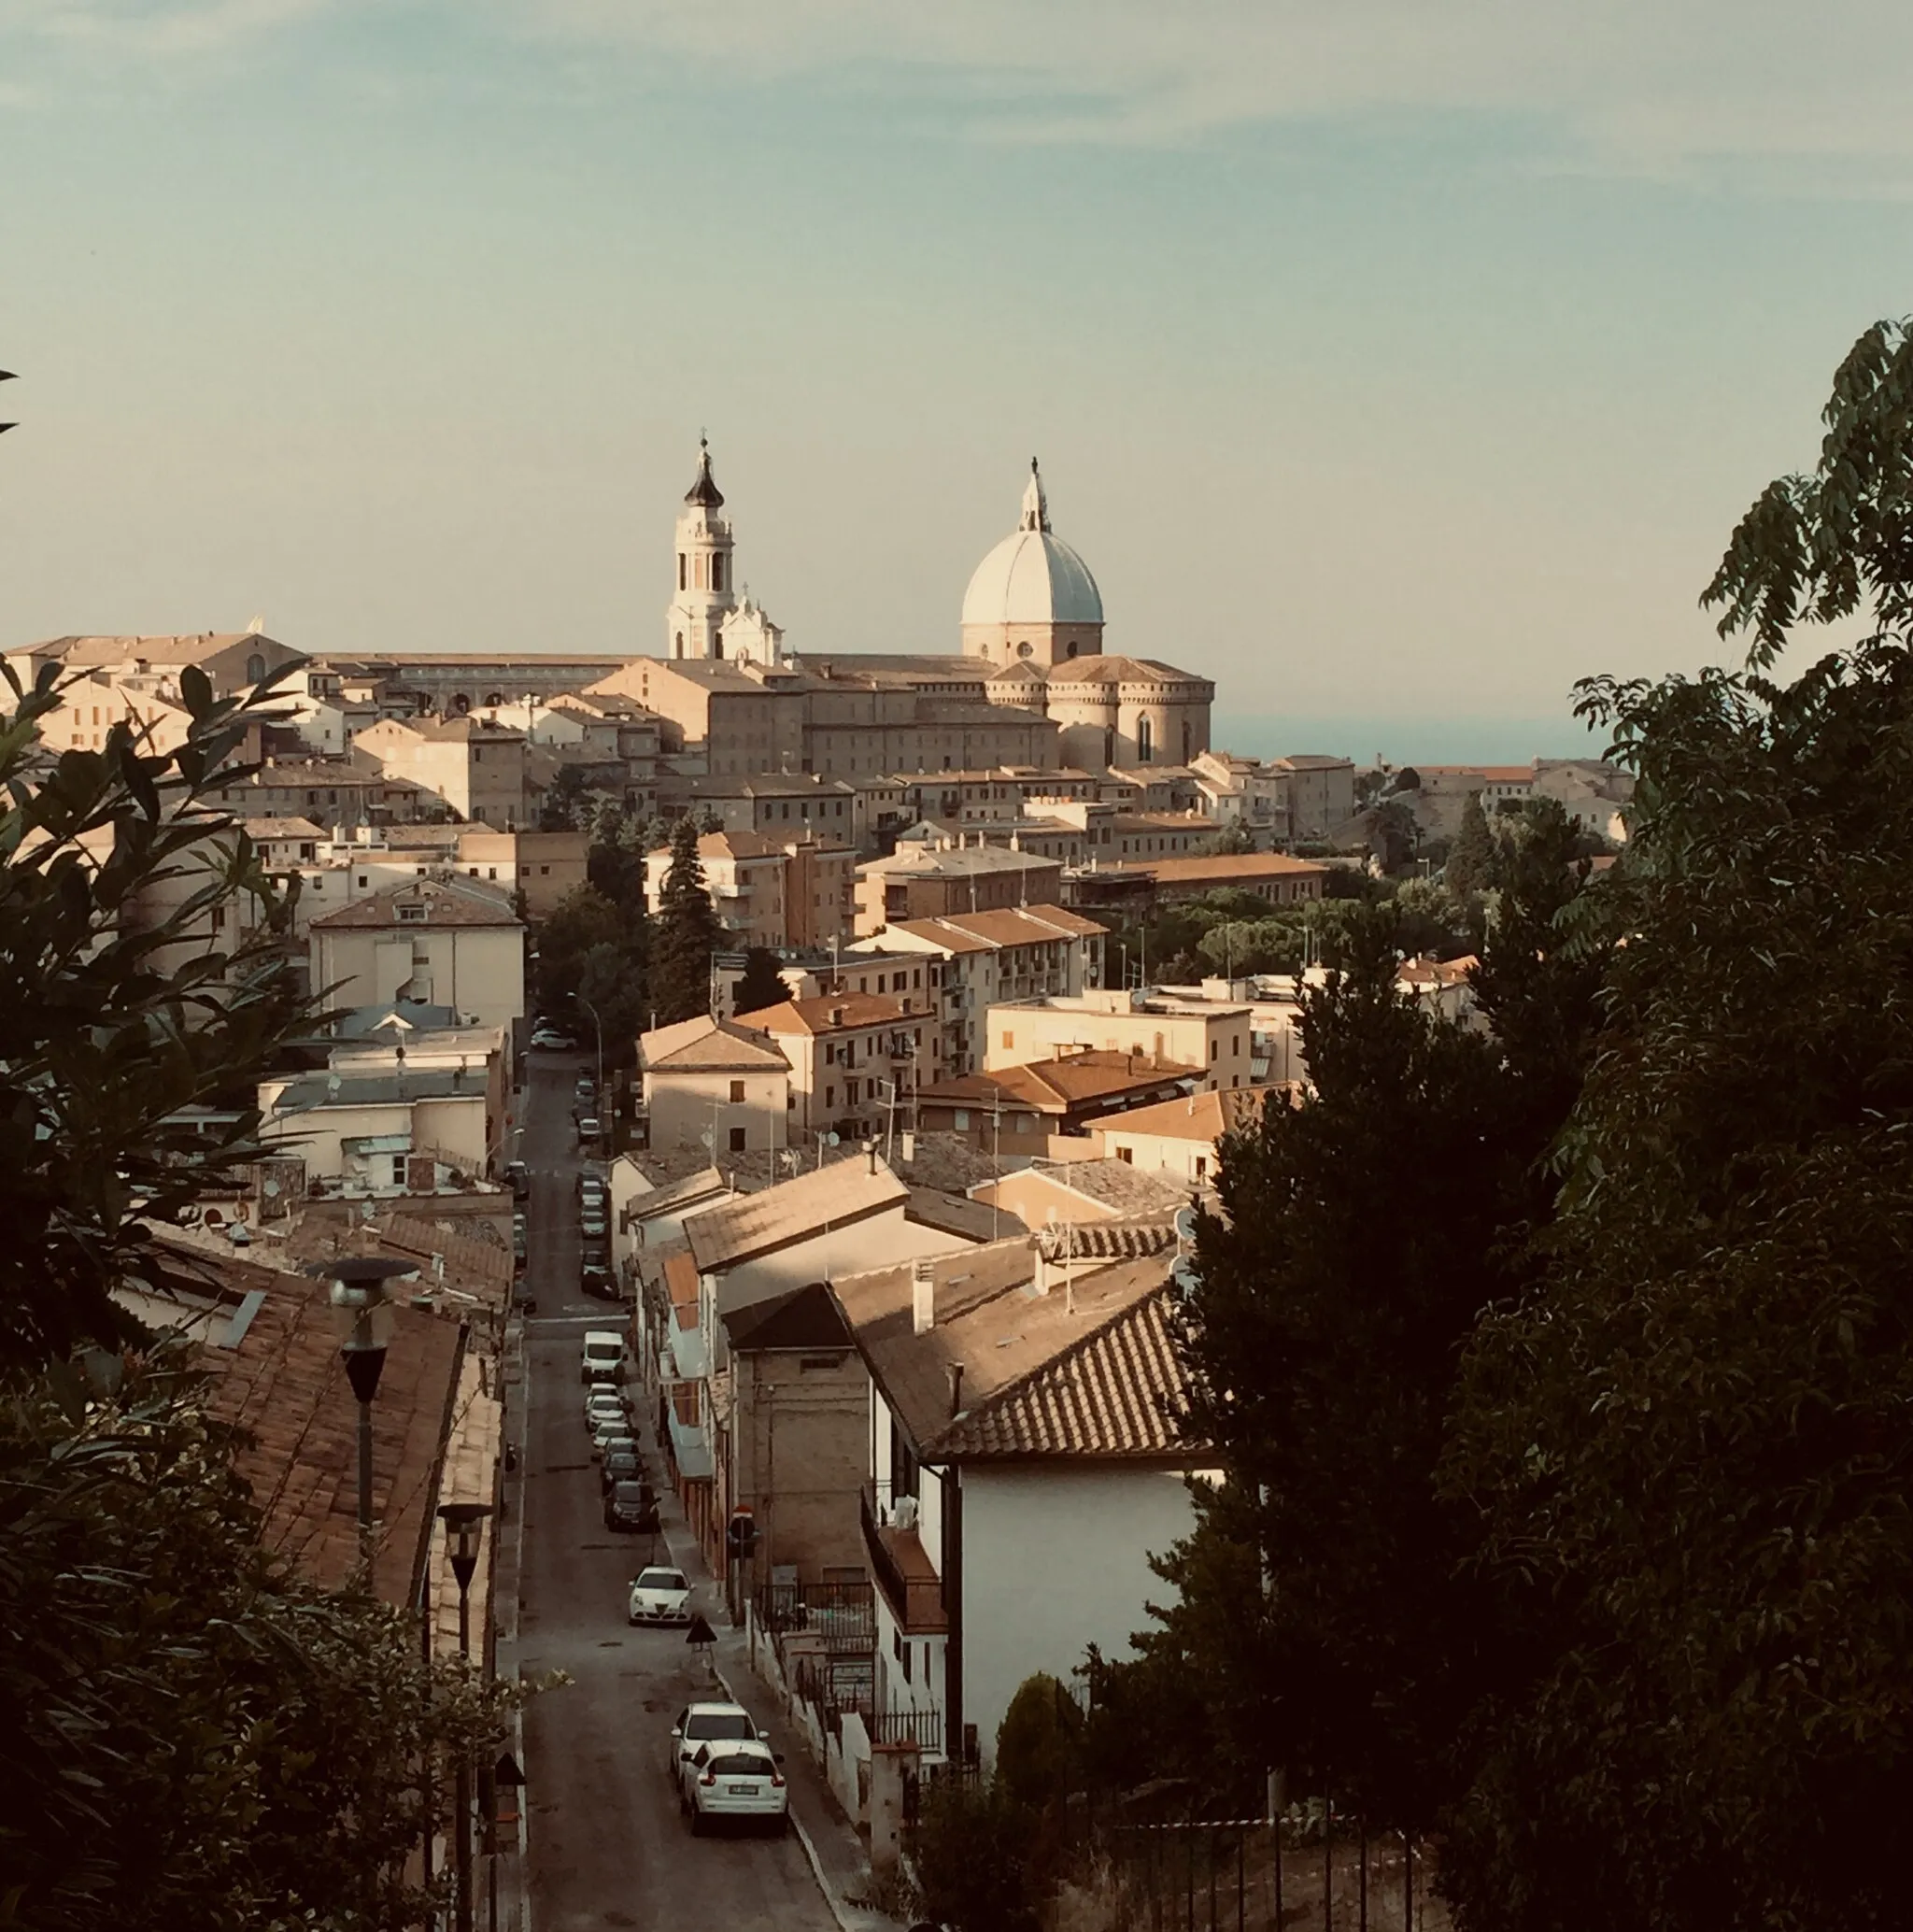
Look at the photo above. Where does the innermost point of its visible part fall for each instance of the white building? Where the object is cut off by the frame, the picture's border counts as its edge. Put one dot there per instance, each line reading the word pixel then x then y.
pixel 1021 1472
pixel 439 943
pixel 710 617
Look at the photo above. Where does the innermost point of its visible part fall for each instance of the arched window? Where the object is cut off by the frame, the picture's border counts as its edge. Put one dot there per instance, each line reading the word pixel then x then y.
pixel 680 644
pixel 701 575
pixel 1069 650
pixel 1145 741
pixel 1186 741
pixel 461 703
pixel 255 668
pixel 1024 649
pixel 717 572
pixel 682 572
pixel 493 700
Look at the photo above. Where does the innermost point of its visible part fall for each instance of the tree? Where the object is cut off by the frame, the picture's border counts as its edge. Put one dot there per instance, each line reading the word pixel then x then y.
pixel 1040 1742
pixel 1233 837
pixel 195 1735
pixel 762 984
pixel 1688 1445
pixel 1471 858
pixel 686 933
pixel 116 1016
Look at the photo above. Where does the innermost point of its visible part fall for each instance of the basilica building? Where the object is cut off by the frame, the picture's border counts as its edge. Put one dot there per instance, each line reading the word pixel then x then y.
pixel 1031 685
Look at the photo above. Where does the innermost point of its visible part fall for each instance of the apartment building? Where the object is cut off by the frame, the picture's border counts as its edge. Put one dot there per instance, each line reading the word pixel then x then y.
pixel 930 881
pixel 477 769
pixel 1216 1040
pixel 854 1059
pixel 745 875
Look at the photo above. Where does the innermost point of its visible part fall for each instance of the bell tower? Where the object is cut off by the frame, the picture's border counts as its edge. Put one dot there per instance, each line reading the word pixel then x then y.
pixel 706 577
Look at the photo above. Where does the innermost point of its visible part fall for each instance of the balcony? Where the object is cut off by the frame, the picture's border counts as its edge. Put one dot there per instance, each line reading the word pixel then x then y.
pixel 903 1572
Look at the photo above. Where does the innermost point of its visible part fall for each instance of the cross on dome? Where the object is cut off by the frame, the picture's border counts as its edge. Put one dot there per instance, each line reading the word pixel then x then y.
pixel 704 491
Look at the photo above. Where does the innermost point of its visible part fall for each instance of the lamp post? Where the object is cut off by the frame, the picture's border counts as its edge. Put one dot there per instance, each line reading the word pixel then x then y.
pixel 364 1316
pixel 461 1538
pixel 598 1026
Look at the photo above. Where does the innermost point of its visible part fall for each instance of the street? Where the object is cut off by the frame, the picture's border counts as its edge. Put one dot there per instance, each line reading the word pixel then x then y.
pixel 607 1847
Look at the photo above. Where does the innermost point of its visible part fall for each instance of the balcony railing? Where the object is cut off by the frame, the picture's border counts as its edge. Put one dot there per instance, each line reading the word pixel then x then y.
pixel 902 1572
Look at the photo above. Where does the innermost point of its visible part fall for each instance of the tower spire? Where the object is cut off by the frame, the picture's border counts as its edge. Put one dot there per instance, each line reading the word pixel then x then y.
pixel 704 491
pixel 1036 509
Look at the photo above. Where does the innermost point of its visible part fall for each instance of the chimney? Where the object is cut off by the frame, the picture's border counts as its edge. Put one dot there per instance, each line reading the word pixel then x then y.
pixel 955 1389
pixel 870 1148
pixel 923 1299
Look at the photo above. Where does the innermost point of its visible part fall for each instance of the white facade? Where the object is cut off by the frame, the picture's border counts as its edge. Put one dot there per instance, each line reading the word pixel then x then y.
pixel 1056 1557
pixel 1032 600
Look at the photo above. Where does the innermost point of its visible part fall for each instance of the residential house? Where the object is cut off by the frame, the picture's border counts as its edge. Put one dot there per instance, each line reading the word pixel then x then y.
pixel 776 805
pixel 476 768
pixel 1216 1040
pixel 377 1133
pixel 1085 1193
pixel 444 942
pixel 327 792
pixel 1023 952
pixel 819 893
pixel 1319 794
pixel 799 1401
pixel 1023 1468
pixel 1178 1138
pixel 853 1060
pixel 928 882
pixel 1016 1112
pixel 714 1081
pixel 744 874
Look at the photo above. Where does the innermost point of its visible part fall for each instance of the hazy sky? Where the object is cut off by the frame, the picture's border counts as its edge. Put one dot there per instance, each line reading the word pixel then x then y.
pixel 1393 363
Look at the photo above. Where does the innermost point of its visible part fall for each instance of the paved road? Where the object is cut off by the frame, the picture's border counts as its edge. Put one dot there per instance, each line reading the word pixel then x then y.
pixel 607 1846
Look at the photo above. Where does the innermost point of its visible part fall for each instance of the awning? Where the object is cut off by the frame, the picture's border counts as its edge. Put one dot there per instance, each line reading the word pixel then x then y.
pixel 376 1144
pixel 689 1448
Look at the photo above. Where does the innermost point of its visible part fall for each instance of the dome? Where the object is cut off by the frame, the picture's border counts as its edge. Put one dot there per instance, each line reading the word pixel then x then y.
pixel 1033 577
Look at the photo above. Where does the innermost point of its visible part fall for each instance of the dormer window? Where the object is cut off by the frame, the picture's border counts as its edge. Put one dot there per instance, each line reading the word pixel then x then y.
pixel 411 915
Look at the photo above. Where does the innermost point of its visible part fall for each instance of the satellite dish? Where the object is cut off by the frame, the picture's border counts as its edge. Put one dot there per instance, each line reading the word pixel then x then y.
pixel 1185 1225
pixel 833 1140
pixel 270 1188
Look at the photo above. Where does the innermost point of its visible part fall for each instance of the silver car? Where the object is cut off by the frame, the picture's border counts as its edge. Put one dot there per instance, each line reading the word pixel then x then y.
pixel 737 1781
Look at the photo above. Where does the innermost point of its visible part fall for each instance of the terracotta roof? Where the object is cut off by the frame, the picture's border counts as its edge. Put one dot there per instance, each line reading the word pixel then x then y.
pixel 286 1385
pixel 727 845
pixel 1116 1393
pixel 953 1214
pixel 1202 1116
pixel 189 648
pixel 815 1015
pixel 706 1045
pixel 1081 1371
pixel 444 904
pixel 681 1282
pixel 793 1211
pixel 1054 1087
pixel 1034 925
pixel 1110 1184
pixel 447 730
pixel 914 860
pixel 1222 866
pixel 260 828
pixel 1120 670
pixel 703 1186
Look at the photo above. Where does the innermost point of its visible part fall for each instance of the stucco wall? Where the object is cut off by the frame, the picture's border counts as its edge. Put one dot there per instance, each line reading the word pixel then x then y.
pixel 1057 1557
pixel 798 1456
pixel 882 1241
pixel 684 1107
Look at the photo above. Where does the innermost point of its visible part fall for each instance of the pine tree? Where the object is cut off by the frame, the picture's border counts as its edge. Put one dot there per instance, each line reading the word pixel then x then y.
pixel 762 985
pixel 686 933
pixel 1472 855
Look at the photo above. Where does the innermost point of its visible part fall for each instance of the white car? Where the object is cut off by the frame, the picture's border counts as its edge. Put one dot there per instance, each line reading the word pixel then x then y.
pixel 607 1412
pixel 607 1428
pixel 659 1595
pixel 705 1724
pixel 735 1780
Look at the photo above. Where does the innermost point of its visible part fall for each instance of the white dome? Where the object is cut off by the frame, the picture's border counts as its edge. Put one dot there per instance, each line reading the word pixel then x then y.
pixel 1033 577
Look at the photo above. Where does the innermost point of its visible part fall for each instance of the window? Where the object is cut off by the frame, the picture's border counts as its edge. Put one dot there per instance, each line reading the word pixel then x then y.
pixel 961 1121
pixel 411 915
pixel 1214 1050
pixel 681 584
pixel 850 1093
pixel 1009 1041
pixel 1127 1154
pixel 736 1091
pixel 737 1140
pixel 397 1169
pixel 255 668
pixel 790 1102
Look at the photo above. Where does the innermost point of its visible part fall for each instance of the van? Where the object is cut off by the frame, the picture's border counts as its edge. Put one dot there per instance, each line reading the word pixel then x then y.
pixel 603 1356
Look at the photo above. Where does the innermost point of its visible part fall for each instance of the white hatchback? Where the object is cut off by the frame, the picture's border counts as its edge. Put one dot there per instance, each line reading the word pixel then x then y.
pixel 711 1722
pixel 660 1595
pixel 735 1781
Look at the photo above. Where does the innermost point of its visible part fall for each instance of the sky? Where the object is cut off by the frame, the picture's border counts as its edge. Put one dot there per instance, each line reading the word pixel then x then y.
pixel 1394 364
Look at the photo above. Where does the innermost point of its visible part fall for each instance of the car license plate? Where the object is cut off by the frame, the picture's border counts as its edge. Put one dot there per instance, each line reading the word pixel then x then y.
pixel 741 1790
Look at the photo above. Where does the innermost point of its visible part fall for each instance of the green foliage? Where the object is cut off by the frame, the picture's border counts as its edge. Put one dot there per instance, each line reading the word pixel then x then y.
pixel 686 933
pixel 1232 838
pixel 1040 1742
pixel 762 985
pixel 591 950
pixel 111 1025
pixel 971 1848
pixel 1471 858
pixel 196 1736
pixel 1356 1246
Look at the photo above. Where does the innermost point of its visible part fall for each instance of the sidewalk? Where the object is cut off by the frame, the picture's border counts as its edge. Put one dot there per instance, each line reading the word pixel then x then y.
pixel 830 1842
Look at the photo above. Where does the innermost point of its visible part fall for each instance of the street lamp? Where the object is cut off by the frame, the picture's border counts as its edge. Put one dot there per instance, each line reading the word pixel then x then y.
pixel 365 1319
pixel 463 1534
pixel 598 1025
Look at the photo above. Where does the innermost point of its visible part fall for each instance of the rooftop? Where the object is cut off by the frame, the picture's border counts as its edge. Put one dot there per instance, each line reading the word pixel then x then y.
pixel 920 860
pixel 1085 1371
pixel 424 902
pixel 1114 1185
pixel 1222 866
pixel 793 1211
pixel 1202 1116
pixel 805 1318
pixel 1056 1086
pixel 395 1088
pixel 827 1012
pixel 706 1045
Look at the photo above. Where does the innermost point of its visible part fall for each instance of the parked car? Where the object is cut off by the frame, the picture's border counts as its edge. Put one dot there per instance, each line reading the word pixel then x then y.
pixel 520 1175
pixel 631 1507
pixel 602 1411
pixel 623 1445
pixel 601 1400
pixel 737 1781
pixel 594 1279
pixel 711 1722
pixel 593 1227
pixel 585 1091
pixel 661 1594
pixel 547 1038
pixel 588 1130
pixel 620 1465
pixel 606 1429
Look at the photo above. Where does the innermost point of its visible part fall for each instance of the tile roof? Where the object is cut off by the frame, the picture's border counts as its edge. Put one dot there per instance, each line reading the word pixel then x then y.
pixel 703 1186
pixel 957 861
pixel 954 1213
pixel 285 1385
pixel 793 1211
pixel 258 830
pixel 1079 1371
pixel 449 730
pixel 806 1317
pixel 829 1013
pixel 1222 866
pixel 1202 1116
pixel 1111 1185
pixel 727 845
pixel 445 904
pixel 1110 669
pixel 703 1044
pixel 1032 925
pixel 1054 1087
